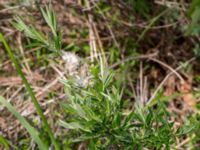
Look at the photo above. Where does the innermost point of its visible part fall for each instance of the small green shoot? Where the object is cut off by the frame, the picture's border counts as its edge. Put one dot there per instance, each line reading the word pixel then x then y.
pixel 53 44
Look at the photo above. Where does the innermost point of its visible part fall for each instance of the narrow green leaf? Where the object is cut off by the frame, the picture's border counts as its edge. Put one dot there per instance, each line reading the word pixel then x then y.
pixel 91 114
pixel 30 31
pixel 74 126
pixel 107 80
pixel 34 133
pixel 4 142
pixel 30 91
pixel 86 137
pixel 50 19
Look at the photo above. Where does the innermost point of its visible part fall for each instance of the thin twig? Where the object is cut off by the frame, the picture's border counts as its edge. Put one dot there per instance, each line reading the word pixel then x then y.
pixel 164 80
pixel 170 68
pixel 185 142
pixel 133 58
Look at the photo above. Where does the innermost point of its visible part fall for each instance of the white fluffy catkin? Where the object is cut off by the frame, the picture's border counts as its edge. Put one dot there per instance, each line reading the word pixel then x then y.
pixel 77 69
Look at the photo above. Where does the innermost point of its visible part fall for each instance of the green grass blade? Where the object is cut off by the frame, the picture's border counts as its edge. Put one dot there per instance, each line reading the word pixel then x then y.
pixel 34 133
pixel 30 91
pixel 4 142
pixel 152 22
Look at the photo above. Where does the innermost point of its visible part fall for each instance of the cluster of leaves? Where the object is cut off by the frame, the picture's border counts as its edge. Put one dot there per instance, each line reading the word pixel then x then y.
pixel 40 39
pixel 99 117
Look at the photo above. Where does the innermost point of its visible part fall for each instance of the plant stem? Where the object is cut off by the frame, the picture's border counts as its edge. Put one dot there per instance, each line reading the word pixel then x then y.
pixel 30 91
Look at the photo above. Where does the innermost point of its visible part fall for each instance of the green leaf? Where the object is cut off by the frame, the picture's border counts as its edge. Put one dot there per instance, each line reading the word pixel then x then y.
pixel 194 14
pixel 91 114
pixel 68 108
pixel 30 91
pixel 30 32
pixel 52 43
pixel 4 142
pixel 106 80
pixel 86 137
pixel 50 19
pixel 194 28
pixel 34 133
pixel 74 126
pixel 79 110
